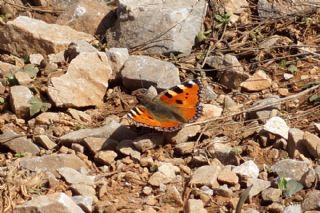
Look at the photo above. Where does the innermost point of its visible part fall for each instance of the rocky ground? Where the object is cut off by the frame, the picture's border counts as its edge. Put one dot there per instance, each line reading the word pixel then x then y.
pixel 68 74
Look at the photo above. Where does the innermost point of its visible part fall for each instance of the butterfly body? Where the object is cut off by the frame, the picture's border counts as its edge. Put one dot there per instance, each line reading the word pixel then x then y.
pixel 170 109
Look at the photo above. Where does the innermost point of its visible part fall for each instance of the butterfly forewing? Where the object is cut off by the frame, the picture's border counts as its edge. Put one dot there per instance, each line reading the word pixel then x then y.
pixel 187 98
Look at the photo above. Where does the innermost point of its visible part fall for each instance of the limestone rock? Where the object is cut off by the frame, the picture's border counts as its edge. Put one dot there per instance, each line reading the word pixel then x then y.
pixel 105 157
pixel 184 134
pixel 206 175
pixel 230 71
pixel 147 71
pixel 85 82
pixel 195 206
pixel 45 141
pixel 311 201
pixel 19 100
pixel 72 176
pixel 257 82
pixel 277 126
pixel 138 25
pixel 312 144
pixel 24 36
pixel 117 57
pixel 295 142
pixel 57 202
pixel 92 17
pixel 248 169
pixel 52 162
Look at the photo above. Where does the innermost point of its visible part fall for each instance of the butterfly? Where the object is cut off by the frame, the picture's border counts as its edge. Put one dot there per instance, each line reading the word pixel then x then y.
pixel 171 109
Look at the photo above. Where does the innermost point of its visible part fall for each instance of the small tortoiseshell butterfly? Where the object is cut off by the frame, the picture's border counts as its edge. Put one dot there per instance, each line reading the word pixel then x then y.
pixel 172 108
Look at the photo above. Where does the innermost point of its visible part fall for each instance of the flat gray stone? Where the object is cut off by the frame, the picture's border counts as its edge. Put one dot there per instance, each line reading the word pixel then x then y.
pixel 145 71
pixel 248 169
pixel 85 82
pixel 157 26
pixel 25 35
pixel 312 144
pixel 206 175
pixel 72 176
pixel 295 142
pixel 112 128
pixel 19 100
pixel 195 206
pixel 277 126
pixel 293 169
pixel 52 162
pixel 57 202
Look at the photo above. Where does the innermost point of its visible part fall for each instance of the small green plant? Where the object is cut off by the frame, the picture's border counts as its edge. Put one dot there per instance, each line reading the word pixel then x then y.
pixel 202 36
pixel 283 64
pixel 11 79
pixel 36 106
pixel 19 155
pixel 223 19
pixel 292 68
pixel 315 98
pixel 289 187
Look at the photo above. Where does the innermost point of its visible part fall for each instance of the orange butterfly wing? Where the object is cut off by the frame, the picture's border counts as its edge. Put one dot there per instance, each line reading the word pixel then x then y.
pixel 186 98
pixel 141 116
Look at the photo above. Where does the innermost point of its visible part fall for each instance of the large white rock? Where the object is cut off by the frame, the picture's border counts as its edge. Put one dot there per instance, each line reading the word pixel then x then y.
pixel 25 35
pixel 85 82
pixel 157 26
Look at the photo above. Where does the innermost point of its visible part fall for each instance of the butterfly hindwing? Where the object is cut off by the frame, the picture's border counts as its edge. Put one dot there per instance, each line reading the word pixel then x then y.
pixel 141 116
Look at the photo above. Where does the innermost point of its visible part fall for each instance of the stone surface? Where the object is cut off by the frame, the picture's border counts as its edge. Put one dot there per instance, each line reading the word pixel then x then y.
pixel 295 142
pixel 271 194
pixel 285 8
pixel 85 82
pixel 277 126
pixel 23 78
pixel 235 8
pixel 311 201
pixel 295 208
pixel 275 208
pixel 72 176
pixel 291 169
pixel 57 202
pixel 94 144
pixel 111 129
pixel 148 141
pixel 79 115
pixel 105 157
pixel 145 71
pixel 166 173
pixel 52 162
pixel 210 111
pixel 184 148
pixel 248 169
pixel 258 186
pixel 6 68
pixel 312 144
pixel 92 17
pixel 44 141
pixel 227 176
pixel 257 82
pixel 157 26
pixel 19 144
pixel 206 175
pixel 195 206
pixel 85 202
pixel 77 47
pixel 19 100
pixel 117 57
pixel 173 196
pixel 24 36
pixel 126 147
pixel 84 190
pixel 230 71
pixel 184 134
pixel 35 59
